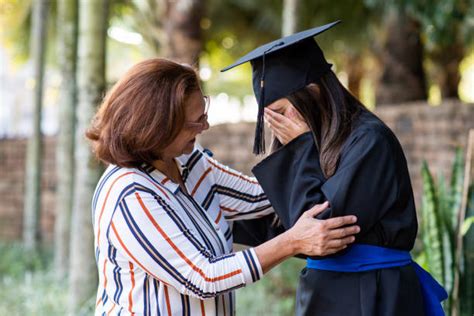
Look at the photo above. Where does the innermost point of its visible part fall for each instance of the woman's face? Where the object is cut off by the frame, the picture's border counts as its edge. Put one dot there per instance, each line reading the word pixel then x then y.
pixel 195 118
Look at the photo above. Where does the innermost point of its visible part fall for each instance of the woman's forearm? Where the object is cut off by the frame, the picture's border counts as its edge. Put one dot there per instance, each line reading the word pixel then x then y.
pixel 274 251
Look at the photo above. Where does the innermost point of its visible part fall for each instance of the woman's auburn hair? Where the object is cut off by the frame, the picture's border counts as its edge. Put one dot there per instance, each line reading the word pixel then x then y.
pixel 142 113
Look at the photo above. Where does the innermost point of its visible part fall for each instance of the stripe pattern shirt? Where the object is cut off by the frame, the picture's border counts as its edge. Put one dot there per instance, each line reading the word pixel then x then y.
pixel 163 251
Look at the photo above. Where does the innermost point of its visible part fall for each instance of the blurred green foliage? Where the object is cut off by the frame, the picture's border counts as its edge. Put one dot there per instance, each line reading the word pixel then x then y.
pixel 441 204
pixel 28 286
pixel 274 294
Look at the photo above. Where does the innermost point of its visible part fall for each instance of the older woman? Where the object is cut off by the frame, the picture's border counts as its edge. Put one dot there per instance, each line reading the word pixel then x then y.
pixel 162 208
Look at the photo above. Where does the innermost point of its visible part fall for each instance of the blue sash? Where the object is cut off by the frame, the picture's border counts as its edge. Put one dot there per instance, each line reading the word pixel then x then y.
pixel 361 258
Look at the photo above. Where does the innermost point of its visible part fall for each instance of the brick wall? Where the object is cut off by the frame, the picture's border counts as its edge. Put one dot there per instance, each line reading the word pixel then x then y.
pixel 425 132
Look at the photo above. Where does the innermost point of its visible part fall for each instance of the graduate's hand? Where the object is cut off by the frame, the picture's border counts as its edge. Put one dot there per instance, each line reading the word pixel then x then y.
pixel 285 129
pixel 314 237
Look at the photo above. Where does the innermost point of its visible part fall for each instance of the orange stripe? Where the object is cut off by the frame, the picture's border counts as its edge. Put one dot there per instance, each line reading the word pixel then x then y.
pixel 203 311
pixel 168 305
pixel 231 173
pixel 132 277
pixel 165 180
pixel 98 301
pixel 105 201
pixel 110 311
pixel 218 217
pixel 200 180
pixel 110 189
pixel 105 275
pixel 179 252
pixel 132 256
pixel 227 209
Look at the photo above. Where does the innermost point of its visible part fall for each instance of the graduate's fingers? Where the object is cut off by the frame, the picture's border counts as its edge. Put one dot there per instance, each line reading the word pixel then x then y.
pixel 337 222
pixel 275 124
pixel 280 119
pixel 315 210
pixel 343 232
pixel 277 117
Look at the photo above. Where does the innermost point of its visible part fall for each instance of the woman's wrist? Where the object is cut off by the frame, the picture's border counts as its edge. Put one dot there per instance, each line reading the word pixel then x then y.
pixel 289 243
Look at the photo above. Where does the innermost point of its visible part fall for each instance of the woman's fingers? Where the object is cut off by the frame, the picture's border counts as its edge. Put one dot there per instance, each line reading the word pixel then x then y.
pixel 339 243
pixel 343 232
pixel 315 210
pixel 337 222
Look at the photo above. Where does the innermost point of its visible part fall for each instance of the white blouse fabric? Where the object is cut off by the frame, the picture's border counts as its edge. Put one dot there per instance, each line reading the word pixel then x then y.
pixel 162 251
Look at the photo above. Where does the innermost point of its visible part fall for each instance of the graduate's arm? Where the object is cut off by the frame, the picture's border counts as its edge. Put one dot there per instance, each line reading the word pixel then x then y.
pixel 365 183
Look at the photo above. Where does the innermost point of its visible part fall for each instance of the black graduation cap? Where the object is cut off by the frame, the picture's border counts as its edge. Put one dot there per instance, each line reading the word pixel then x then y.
pixel 283 67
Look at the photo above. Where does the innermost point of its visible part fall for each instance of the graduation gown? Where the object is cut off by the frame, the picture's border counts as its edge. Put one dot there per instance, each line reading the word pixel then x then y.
pixel 372 182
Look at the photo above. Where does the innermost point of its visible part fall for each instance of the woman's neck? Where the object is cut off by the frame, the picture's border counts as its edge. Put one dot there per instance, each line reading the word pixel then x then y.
pixel 165 165
pixel 168 167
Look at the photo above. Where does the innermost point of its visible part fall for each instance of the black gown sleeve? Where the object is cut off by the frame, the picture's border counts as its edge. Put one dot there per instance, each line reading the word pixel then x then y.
pixel 365 182
pixel 292 178
pixel 253 232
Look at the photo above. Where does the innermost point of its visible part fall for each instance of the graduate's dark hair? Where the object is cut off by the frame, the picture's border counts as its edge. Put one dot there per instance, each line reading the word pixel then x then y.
pixel 330 111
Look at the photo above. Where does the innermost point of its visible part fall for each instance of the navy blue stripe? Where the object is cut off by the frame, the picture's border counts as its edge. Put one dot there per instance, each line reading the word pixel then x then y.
pixel 206 219
pixel 104 297
pixel 198 228
pixel 146 297
pixel 146 245
pixel 155 287
pixel 254 264
pixel 176 219
pixel 158 258
pixel 216 188
pixel 228 233
pixel 256 210
pixel 101 185
pixel 231 303
pixel 117 278
pixel 195 157
pixel 249 265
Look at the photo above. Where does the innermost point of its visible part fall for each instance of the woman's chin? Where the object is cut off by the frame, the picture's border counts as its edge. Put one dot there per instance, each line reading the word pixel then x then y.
pixel 189 147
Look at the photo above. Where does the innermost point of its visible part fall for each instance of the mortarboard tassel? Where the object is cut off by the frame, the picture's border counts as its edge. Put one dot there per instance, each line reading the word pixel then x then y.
pixel 259 142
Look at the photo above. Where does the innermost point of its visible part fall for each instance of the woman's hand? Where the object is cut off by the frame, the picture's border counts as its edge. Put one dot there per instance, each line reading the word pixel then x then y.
pixel 314 237
pixel 285 129
pixel 309 236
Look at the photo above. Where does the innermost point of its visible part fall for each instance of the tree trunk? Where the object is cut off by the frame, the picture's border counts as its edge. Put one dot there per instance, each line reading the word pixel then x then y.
pixel 93 17
pixel 32 208
pixel 67 54
pixel 355 73
pixel 182 25
pixel 290 17
pixel 403 77
pixel 447 60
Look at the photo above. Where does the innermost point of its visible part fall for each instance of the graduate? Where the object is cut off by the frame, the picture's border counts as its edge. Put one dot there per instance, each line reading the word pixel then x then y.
pixel 328 147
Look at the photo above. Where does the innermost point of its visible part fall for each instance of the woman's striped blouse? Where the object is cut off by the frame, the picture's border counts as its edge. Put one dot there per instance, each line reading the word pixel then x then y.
pixel 162 251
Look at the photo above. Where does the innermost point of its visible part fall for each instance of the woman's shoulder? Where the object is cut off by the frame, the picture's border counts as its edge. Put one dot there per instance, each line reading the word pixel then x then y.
pixel 119 179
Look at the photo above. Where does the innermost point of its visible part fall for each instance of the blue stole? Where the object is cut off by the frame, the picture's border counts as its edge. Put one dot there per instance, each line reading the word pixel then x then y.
pixel 361 258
